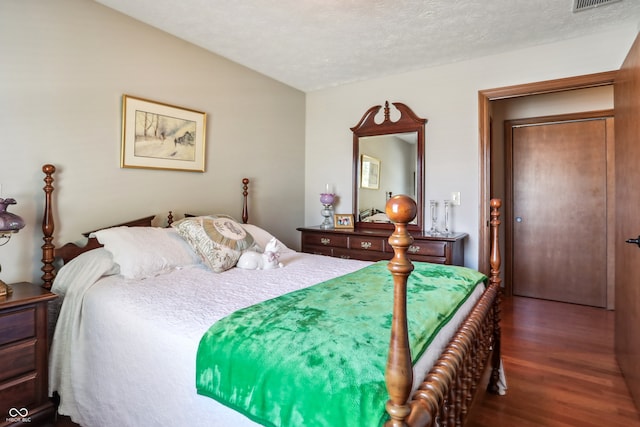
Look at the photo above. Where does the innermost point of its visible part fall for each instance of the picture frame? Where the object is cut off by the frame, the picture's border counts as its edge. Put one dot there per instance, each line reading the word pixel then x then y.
pixel 343 221
pixel 156 135
pixel 370 172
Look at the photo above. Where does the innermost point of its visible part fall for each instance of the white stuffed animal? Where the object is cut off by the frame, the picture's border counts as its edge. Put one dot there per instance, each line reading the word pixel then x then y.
pixel 261 261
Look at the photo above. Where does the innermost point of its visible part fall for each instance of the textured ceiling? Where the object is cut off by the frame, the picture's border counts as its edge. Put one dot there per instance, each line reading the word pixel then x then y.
pixel 315 44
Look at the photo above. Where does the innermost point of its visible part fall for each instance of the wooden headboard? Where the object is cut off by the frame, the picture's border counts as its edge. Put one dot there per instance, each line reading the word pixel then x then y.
pixel 71 250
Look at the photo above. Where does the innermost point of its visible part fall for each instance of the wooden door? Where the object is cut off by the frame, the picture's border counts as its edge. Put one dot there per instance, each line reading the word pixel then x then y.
pixel 627 314
pixel 558 221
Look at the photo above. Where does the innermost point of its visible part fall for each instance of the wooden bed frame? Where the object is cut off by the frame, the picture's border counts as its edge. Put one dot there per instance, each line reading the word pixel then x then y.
pixel 446 393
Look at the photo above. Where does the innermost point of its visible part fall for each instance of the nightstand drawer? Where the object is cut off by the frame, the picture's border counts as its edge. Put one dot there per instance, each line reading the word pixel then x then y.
pixel 23 356
pixel 18 359
pixel 17 325
pixel 18 394
pixel 366 243
pixel 325 240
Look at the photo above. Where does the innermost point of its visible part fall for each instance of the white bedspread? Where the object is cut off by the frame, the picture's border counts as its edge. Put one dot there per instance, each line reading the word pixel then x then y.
pixel 124 351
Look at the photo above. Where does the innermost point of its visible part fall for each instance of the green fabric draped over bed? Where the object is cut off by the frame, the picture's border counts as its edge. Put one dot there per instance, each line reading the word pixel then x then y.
pixel 316 357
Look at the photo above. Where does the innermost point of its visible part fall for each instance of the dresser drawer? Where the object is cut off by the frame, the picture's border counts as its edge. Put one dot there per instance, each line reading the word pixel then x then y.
pixel 318 250
pixel 17 359
pixel 17 325
pixel 333 240
pixel 428 248
pixel 431 259
pixel 363 255
pixel 366 243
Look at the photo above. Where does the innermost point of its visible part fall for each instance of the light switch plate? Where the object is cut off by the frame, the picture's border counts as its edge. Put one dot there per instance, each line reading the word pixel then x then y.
pixel 455 198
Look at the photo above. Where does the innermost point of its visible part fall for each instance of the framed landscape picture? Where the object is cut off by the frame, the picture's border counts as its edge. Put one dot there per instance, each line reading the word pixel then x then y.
pixel 162 136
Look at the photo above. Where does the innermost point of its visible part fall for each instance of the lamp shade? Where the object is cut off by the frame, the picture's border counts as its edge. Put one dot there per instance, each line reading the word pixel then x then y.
pixel 8 220
pixel 327 198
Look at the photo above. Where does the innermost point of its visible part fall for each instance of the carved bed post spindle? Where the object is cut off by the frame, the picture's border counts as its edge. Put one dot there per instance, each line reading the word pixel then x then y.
pixel 494 280
pixel 47 229
pixel 399 371
pixel 245 192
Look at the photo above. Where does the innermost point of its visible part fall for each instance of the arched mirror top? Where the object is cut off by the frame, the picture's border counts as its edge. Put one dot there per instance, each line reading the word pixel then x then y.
pixel 388 159
pixel 407 122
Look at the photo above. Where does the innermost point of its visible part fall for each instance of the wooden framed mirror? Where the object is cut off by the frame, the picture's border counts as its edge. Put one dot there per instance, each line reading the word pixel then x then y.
pixel 388 159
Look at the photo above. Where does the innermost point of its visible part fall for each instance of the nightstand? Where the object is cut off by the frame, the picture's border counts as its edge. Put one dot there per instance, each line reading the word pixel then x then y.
pixel 24 352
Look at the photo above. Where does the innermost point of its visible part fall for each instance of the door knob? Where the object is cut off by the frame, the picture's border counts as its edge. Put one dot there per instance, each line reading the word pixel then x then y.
pixel 634 241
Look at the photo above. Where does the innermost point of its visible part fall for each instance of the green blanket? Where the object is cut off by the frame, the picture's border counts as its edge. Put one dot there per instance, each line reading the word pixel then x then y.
pixel 316 357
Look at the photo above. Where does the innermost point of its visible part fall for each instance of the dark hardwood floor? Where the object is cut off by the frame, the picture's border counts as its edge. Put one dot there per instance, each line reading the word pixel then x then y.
pixel 560 370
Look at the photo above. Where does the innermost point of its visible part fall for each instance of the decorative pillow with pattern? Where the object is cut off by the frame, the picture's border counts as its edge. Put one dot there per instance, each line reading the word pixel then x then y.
pixel 219 240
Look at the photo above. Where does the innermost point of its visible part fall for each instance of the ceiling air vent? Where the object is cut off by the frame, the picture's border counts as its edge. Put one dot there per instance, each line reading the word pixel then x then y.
pixel 579 5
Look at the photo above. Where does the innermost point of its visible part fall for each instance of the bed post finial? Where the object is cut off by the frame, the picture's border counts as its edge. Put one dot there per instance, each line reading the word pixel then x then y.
pixel 245 193
pixel 48 248
pixel 401 210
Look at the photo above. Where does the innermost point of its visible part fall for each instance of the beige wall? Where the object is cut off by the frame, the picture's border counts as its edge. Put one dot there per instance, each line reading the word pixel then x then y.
pixel 64 67
pixel 448 97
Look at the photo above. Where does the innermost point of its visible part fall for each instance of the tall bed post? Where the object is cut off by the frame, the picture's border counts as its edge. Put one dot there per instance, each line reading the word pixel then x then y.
pixel 446 393
pixel 495 281
pixel 399 371
pixel 48 249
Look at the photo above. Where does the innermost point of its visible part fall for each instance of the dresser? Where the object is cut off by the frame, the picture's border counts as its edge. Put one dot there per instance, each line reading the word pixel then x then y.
pixel 373 245
pixel 24 357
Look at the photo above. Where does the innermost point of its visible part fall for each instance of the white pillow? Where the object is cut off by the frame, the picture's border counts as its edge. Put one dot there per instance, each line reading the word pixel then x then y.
pixel 143 252
pixel 262 237
pixel 219 240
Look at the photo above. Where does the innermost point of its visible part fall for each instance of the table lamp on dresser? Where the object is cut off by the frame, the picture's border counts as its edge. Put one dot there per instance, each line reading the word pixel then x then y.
pixel 9 223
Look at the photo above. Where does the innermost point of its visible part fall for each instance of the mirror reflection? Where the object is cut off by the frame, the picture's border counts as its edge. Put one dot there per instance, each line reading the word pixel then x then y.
pixel 387 167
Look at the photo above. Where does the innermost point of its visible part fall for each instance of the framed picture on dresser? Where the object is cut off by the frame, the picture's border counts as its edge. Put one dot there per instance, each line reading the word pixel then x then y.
pixel 343 221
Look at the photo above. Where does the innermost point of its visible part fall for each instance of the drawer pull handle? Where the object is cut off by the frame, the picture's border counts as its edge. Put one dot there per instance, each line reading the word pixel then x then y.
pixel 365 245
pixel 414 249
pixel 345 257
pixel 325 240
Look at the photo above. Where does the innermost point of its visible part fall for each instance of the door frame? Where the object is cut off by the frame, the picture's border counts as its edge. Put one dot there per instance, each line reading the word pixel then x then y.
pixel 485 99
